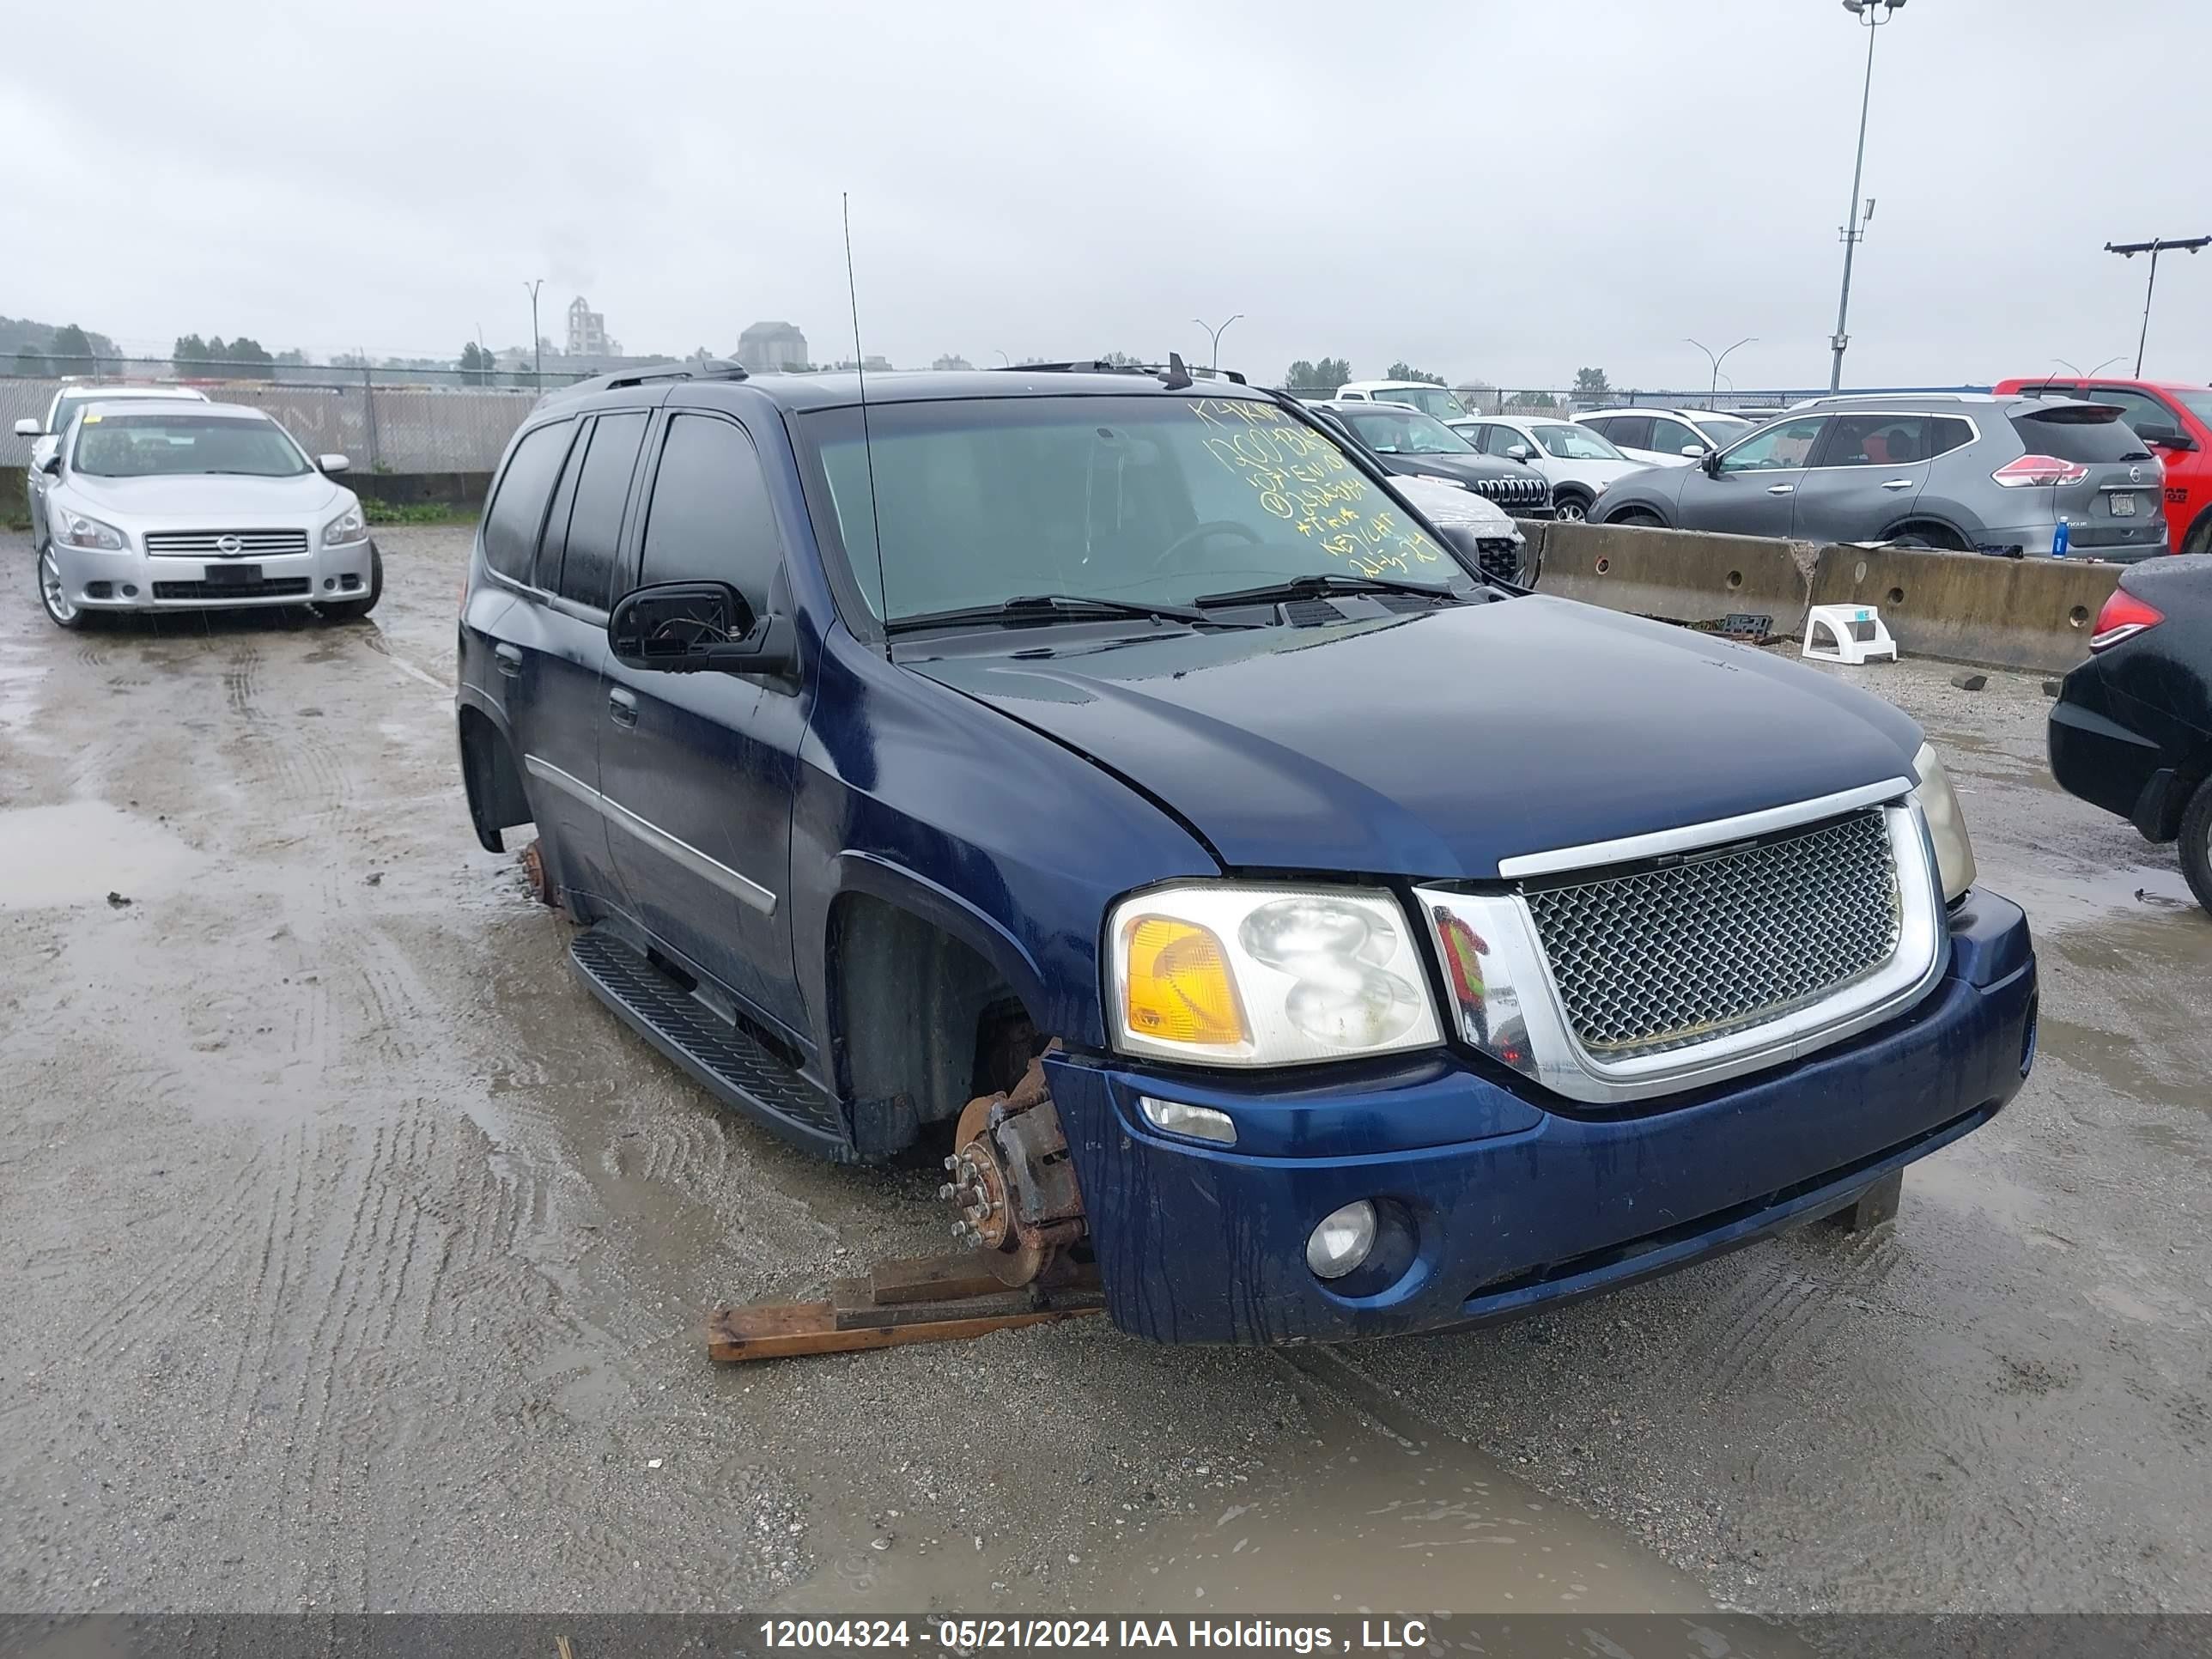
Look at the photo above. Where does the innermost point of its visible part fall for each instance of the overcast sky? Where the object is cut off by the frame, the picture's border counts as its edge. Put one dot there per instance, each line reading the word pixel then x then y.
pixel 1502 189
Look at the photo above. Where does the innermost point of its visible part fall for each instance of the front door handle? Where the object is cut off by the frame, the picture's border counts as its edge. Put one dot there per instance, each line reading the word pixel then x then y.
pixel 1897 484
pixel 622 706
pixel 1782 489
pixel 510 659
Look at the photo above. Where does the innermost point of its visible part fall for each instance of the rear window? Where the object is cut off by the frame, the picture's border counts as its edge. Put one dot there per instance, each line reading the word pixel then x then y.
pixel 2078 433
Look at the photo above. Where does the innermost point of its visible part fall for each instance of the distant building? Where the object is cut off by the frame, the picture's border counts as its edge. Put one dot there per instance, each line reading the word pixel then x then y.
pixel 873 364
pixel 587 331
pixel 767 346
pixel 954 361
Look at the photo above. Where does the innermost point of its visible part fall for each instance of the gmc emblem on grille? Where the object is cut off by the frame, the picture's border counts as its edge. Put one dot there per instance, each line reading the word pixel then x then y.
pixel 229 546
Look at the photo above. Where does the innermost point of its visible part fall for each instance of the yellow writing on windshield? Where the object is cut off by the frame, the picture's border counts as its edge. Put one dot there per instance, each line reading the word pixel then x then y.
pixel 1304 479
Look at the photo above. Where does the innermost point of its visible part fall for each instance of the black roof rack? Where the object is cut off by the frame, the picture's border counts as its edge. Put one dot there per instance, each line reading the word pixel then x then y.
pixel 1172 371
pixel 713 368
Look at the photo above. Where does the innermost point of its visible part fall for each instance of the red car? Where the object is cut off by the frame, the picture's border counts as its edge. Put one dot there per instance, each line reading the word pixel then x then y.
pixel 2174 419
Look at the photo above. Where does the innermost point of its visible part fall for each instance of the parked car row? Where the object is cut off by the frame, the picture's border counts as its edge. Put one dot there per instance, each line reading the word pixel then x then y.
pixel 1994 473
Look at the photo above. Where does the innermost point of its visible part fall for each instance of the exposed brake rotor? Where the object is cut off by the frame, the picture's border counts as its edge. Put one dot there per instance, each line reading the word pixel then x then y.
pixel 1014 1182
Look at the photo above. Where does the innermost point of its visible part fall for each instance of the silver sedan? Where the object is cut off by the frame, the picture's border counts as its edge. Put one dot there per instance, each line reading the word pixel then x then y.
pixel 189 506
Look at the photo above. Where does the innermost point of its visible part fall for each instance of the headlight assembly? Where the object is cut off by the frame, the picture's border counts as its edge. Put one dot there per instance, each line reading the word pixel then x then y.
pixel 78 530
pixel 1946 823
pixel 349 528
pixel 1227 974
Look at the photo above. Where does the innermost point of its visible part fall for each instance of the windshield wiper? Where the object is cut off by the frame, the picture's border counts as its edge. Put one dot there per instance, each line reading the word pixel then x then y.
pixel 1320 584
pixel 1048 607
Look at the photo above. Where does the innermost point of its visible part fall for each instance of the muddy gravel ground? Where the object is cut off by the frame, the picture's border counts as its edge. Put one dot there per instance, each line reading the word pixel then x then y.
pixel 354 1256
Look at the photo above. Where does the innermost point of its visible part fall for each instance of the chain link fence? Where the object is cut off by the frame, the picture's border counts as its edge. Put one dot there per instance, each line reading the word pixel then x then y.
pixel 384 420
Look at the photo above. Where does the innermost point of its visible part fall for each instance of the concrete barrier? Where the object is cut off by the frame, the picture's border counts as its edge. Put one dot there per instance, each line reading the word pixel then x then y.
pixel 2028 614
pixel 413 489
pixel 1681 575
pixel 2032 615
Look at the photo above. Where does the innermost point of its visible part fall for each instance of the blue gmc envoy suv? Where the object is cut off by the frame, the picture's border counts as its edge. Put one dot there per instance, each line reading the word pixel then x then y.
pixel 1103 779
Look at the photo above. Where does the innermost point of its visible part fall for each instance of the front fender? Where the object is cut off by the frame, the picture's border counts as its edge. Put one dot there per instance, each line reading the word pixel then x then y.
pixel 999 835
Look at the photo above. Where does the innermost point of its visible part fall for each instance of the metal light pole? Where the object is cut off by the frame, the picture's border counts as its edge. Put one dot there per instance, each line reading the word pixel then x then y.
pixel 1004 361
pixel 1872 14
pixel 2092 374
pixel 1213 355
pixel 1717 362
pixel 2154 247
pixel 536 351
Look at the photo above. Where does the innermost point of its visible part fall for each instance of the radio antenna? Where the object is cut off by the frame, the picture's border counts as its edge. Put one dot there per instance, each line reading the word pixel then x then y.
pixel 867 443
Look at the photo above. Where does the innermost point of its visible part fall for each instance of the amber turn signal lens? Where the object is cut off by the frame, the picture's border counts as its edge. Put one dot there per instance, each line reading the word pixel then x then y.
pixel 1179 988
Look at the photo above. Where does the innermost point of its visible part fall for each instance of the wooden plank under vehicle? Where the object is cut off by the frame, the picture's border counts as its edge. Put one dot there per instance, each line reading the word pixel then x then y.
pixel 938 1298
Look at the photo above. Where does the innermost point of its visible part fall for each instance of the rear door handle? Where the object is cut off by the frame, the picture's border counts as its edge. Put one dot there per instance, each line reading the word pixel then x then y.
pixel 1897 484
pixel 622 705
pixel 1782 489
pixel 510 659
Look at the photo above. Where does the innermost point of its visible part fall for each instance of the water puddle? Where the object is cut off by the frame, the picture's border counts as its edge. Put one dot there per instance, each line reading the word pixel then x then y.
pixel 82 851
pixel 1387 1514
pixel 2057 901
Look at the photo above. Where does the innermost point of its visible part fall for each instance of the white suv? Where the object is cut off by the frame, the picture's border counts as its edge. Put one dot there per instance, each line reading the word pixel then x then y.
pixel 1424 395
pixel 1666 437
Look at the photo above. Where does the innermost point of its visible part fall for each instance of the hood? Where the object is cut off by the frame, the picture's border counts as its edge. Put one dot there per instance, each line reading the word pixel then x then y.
pixel 1447 504
pixel 1435 743
pixel 201 502
pixel 1464 468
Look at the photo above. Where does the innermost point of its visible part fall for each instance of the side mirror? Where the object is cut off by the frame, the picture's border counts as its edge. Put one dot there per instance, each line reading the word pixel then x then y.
pixel 333 464
pixel 691 628
pixel 1709 460
pixel 51 466
pixel 2165 437
pixel 1518 452
pixel 29 426
pixel 1695 450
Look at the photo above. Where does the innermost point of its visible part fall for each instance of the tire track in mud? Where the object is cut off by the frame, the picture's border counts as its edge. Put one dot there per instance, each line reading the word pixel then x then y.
pixel 147 1307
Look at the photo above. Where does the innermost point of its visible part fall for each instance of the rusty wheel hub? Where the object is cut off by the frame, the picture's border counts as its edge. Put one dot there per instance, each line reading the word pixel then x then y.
pixel 1013 1181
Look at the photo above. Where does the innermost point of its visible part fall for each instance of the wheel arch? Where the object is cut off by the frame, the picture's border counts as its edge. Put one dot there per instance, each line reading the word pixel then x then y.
pixel 929 1001
pixel 1935 520
pixel 490 773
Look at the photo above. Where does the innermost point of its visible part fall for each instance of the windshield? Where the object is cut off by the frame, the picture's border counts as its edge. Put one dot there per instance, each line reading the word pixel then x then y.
pixel 1429 400
pixel 166 445
pixel 1401 432
pixel 1569 442
pixel 1148 499
pixel 2198 403
pixel 1720 430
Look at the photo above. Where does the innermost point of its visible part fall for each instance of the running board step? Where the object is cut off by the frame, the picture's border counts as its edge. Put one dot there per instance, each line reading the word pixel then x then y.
pixel 727 1061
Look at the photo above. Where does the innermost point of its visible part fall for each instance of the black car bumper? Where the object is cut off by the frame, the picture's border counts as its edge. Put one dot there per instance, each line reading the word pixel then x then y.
pixel 2109 763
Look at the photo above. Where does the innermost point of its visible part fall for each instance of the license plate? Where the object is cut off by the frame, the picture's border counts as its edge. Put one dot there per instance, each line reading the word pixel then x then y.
pixel 230 576
pixel 2123 504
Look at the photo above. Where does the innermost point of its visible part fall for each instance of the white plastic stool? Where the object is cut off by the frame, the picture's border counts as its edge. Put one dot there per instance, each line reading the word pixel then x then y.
pixel 1856 630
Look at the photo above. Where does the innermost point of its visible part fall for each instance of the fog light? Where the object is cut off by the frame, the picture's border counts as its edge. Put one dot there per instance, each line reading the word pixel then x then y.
pixel 329 582
pixel 1202 1122
pixel 130 590
pixel 99 590
pixel 1342 1241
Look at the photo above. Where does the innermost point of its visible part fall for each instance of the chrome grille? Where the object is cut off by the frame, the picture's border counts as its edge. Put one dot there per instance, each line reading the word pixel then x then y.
pixel 207 543
pixel 1660 959
pixel 1523 498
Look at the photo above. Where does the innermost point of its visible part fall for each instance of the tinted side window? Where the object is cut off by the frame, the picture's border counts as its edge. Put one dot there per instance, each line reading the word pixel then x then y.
pixel 556 538
pixel 1876 440
pixel 1672 437
pixel 1630 431
pixel 710 518
pixel 2063 432
pixel 586 574
pixel 510 528
pixel 1951 433
pixel 1783 447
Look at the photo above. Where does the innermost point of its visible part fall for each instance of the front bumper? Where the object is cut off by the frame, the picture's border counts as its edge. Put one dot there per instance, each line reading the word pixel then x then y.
pixel 134 581
pixel 1511 1208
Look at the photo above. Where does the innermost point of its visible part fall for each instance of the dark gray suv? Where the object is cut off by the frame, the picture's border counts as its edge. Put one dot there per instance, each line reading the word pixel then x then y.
pixel 1956 471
